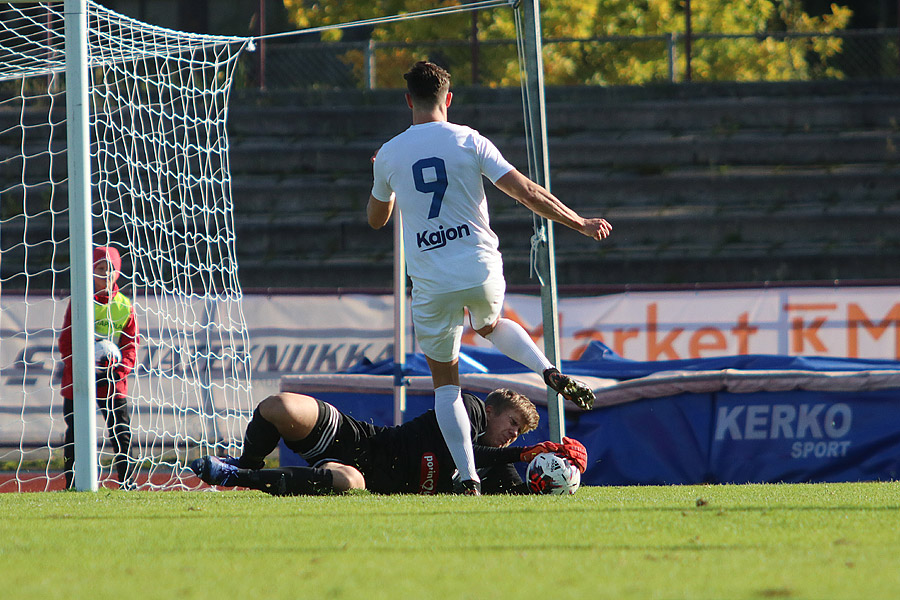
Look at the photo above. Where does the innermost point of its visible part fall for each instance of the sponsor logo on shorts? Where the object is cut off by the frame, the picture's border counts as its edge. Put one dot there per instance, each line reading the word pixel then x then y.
pixel 429 473
pixel 431 240
pixel 820 428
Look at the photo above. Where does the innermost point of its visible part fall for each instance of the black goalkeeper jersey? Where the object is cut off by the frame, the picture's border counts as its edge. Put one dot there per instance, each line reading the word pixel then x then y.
pixel 414 459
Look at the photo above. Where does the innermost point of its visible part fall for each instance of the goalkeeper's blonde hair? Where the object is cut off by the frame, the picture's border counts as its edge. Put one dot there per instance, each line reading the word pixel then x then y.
pixel 502 399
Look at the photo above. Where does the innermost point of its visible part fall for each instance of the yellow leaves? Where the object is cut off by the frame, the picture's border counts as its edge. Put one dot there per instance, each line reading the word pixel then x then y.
pixel 736 59
pixel 836 20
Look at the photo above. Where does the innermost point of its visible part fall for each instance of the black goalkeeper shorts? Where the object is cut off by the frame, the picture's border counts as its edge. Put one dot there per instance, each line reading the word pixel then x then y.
pixel 336 437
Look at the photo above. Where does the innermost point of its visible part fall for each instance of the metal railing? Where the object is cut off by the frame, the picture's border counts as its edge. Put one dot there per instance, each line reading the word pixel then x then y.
pixel 870 54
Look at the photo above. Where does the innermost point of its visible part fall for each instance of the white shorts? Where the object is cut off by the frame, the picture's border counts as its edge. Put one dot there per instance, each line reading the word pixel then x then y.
pixel 438 318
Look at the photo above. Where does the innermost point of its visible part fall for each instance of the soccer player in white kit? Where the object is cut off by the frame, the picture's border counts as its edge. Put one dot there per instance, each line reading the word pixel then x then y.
pixel 433 172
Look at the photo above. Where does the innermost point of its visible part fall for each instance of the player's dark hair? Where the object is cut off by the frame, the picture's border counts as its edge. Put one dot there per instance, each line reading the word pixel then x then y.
pixel 427 83
pixel 503 399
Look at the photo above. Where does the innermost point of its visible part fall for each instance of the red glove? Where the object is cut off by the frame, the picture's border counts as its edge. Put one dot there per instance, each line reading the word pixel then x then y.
pixel 574 451
pixel 530 452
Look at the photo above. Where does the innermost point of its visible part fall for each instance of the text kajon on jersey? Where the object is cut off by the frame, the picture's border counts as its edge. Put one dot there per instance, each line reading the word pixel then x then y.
pixel 438 239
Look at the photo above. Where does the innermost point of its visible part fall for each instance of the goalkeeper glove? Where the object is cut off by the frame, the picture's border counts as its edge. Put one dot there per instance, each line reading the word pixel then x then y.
pixel 528 454
pixel 574 451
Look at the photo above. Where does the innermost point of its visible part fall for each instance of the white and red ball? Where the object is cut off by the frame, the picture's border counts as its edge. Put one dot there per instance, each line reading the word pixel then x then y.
pixel 550 473
pixel 106 354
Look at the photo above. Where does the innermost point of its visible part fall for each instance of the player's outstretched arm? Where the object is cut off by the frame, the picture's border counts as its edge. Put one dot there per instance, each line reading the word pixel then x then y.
pixel 539 200
pixel 378 212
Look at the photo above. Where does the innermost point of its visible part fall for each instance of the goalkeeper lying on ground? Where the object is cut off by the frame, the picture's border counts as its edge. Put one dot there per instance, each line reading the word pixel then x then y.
pixel 346 454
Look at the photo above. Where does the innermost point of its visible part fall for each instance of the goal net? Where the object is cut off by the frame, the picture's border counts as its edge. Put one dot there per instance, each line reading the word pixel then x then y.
pixel 161 196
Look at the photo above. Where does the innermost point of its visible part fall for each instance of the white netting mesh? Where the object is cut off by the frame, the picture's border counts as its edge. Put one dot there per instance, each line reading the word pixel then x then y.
pixel 161 196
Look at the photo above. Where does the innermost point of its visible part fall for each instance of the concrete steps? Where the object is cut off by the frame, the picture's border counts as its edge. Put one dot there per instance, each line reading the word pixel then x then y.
pixel 869 187
pixel 716 115
pixel 703 183
pixel 681 264
pixel 646 153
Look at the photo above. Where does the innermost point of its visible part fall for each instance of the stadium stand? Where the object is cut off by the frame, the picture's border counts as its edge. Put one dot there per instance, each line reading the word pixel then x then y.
pixel 702 182
pixel 716 182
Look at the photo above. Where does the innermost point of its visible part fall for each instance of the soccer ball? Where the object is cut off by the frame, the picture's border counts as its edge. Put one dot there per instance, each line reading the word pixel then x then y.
pixel 106 354
pixel 550 473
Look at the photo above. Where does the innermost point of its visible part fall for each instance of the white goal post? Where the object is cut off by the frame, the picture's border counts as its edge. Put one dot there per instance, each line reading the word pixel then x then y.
pixel 156 187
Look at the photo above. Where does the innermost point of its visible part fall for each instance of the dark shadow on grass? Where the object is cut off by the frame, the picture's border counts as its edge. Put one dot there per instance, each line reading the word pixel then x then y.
pixel 518 548
pixel 711 508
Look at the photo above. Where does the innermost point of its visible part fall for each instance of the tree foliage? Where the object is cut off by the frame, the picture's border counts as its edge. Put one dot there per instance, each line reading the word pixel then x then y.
pixel 638 53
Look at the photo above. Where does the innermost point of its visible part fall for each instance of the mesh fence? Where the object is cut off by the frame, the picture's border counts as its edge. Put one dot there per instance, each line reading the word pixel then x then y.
pixel 623 60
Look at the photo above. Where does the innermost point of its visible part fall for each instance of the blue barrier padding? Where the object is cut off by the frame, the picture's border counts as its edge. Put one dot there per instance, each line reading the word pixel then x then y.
pixel 688 438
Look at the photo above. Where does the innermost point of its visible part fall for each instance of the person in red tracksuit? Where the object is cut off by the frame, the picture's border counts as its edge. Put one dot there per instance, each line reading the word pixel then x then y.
pixel 114 320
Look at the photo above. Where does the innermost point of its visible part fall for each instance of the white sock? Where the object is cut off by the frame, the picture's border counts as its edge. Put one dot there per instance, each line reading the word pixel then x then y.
pixel 453 420
pixel 511 339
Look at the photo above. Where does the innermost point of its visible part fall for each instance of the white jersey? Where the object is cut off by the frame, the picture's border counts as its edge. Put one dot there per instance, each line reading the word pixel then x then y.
pixel 435 171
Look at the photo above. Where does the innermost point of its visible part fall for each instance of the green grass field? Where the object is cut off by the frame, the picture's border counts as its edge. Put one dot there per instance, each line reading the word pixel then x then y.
pixel 749 541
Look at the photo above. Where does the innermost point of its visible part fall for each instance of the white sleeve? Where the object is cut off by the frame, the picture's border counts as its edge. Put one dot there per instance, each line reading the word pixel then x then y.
pixel 381 189
pixel 493 165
